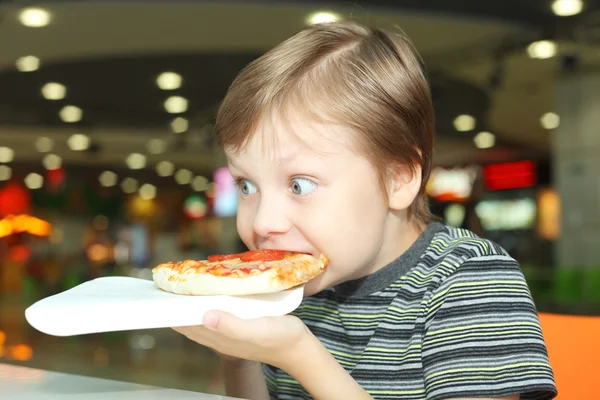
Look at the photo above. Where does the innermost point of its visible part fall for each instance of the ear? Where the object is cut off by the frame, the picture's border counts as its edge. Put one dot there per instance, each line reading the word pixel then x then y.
pixel 404 187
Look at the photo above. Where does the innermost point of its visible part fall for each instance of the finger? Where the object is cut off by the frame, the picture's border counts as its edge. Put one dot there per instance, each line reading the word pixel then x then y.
pixel 203 340
pixel 185 330
pixel 179 329
pixel 228 325
pixel 191 330
pixel 196 333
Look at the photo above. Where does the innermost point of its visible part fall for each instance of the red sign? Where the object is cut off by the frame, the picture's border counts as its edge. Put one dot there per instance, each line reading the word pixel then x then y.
pixel 514 175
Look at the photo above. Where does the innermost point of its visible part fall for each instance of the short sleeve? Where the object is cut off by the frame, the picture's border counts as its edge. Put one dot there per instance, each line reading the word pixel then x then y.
pixel 482 335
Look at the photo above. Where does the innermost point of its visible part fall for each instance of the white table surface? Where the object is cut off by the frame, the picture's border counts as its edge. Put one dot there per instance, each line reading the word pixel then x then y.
pixel 17 382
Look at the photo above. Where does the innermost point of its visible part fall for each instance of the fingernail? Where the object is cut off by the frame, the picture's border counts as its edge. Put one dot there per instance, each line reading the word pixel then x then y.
pixel 211 320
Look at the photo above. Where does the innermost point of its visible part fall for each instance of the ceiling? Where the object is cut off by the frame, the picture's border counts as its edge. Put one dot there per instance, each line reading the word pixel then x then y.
pixel 108 53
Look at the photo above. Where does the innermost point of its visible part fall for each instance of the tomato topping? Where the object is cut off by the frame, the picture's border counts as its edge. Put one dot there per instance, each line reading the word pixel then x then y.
pixel 223 257
pixel 253 255
pixel 263 255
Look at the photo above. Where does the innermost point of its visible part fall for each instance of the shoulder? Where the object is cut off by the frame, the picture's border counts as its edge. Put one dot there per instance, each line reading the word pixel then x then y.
pixel 464 269
pixel 461 244
pixel 458 254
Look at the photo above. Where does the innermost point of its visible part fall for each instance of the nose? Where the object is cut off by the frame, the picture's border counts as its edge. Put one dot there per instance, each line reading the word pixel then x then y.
pixel 270 218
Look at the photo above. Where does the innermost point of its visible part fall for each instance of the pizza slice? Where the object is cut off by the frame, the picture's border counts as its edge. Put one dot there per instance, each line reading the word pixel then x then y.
pixel 251 272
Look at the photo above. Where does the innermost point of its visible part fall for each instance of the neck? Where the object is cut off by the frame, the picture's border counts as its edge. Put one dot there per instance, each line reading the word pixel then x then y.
pixel 399 234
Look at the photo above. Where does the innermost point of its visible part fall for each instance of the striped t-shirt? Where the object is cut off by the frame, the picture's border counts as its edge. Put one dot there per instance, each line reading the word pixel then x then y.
pixel 451 317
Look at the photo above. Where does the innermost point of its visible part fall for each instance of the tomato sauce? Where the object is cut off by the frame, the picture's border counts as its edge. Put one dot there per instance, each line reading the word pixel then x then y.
pixel 249 256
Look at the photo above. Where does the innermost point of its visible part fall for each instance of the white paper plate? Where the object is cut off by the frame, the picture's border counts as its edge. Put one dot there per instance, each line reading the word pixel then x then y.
pixel 122 303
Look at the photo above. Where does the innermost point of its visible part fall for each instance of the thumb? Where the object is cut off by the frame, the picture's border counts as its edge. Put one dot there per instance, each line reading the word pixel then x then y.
pixel 224 323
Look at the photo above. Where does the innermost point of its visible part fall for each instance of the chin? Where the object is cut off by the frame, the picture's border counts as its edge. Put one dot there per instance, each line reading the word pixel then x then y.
pixel 316 285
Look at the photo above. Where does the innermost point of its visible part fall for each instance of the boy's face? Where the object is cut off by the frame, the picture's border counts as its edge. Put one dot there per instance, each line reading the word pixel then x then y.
pixel 315 196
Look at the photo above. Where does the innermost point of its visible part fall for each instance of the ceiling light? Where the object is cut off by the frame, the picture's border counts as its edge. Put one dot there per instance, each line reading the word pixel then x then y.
pixel 179 125
pixel 484 140
pixel 169 81
pixel 464 123
pixel 566 8
pixel 108 179
pixel 34 17
pixel 147 191
pixel 5 172
pixel 129 185
pixel 136 161
pixel 200 184
pixel 44 144
pixel 34 181
pixel 6 154
pixel 322 17
pixel 184 176
pixel 165 168
pixel 71 114
pixel 52 161
pixel 79 142
pixel 542 49
pixel 27 63
pixel 176 104
pixel 550 120
pixel 54 91
pixel 156 146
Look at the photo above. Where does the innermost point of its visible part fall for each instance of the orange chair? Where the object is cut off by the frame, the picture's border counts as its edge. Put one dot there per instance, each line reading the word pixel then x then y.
pixel 573 344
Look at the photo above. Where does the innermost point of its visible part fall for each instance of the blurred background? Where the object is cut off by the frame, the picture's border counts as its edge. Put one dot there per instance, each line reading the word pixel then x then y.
pixel 108 163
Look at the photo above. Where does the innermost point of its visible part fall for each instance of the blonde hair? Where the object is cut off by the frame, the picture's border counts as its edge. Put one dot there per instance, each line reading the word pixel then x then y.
pixel 366 79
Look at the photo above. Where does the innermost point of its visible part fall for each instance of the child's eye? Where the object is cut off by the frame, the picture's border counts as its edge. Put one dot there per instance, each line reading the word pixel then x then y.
pixel 302 186
pixel 246 187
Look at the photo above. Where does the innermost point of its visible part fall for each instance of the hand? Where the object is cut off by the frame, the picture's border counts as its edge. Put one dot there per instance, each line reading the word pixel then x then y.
pixel 272 340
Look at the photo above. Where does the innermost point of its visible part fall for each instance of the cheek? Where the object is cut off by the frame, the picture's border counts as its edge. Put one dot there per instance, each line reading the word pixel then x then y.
pixel 244 223
pixel 347 227
pixel 349 231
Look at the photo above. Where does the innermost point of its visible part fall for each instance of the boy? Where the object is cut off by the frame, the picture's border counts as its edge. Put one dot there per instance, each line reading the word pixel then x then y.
pixel 329 137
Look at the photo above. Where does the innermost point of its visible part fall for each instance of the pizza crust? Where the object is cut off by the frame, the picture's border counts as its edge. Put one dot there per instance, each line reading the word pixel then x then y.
pixel 279 277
